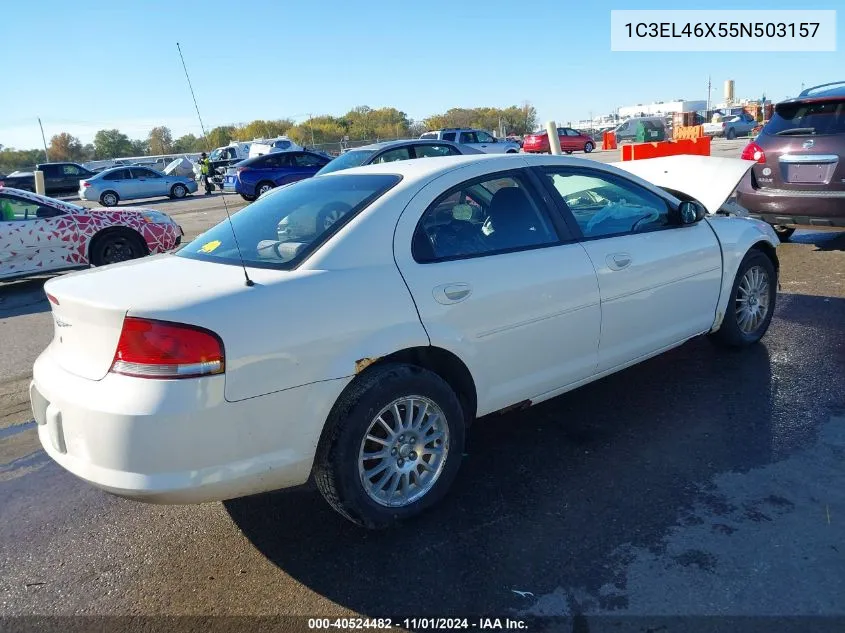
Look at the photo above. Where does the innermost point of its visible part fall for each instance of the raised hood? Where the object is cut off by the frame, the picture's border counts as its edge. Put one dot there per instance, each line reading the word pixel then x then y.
pixel 709 179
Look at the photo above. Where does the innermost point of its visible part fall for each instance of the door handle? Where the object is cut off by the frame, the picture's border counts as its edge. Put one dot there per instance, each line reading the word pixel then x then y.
pixel 618 261
pixel 451 293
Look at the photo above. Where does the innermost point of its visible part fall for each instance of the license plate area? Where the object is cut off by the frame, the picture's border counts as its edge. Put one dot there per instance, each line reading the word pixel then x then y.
pixel 807 173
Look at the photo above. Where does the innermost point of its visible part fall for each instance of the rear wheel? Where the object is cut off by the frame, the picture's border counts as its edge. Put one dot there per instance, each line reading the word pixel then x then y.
pixel 588 147
pixel 109 199
pixel 247 198
pixel 263 187
pixel 392 445
pixel 752 302
pixel 784 232
pixel 116 246
pixel 568 151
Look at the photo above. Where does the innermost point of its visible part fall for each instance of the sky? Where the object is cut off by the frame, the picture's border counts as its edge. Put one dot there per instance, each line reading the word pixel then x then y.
pixel 86 65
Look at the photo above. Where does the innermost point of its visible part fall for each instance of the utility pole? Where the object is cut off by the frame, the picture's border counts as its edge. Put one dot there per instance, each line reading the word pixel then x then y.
pixel 44 139
pixel 709 86
pixel 311 125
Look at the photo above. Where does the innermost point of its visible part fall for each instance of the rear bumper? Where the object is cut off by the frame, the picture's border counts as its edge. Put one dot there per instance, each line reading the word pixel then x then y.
pixel 797 208
pixel 177 441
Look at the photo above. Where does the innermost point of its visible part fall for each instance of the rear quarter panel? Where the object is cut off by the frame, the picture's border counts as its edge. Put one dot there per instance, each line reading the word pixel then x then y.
pixel 737 236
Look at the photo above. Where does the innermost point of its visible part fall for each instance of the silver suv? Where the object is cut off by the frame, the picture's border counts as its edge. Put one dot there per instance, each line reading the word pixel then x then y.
pixel 478 139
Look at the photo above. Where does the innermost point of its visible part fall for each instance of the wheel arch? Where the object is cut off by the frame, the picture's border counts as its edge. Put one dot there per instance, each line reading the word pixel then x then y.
pixel 116 230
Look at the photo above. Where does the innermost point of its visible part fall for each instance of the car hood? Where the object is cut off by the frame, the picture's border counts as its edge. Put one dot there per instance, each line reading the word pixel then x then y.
pixel 709 179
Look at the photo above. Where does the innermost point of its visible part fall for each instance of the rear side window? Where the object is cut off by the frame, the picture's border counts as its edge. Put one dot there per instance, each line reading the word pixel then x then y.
pixel 400 153
pixel 813 118
pixel 495 214
pixel 118 174
pixel 448 136
pixel 426 151
pixel 429 135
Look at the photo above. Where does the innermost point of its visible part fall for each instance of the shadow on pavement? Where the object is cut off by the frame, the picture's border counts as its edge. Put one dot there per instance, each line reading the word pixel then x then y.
pixel 823 240
pixel 22 297
pixel 545 497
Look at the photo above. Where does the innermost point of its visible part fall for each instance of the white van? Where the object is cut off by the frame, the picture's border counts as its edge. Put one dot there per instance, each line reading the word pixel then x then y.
pixel 272 145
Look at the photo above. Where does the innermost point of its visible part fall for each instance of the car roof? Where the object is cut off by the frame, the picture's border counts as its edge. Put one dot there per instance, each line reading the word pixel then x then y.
pixel 427 168
pixel 410 141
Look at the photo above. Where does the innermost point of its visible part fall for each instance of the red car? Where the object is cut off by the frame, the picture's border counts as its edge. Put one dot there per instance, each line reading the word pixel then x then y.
pixel 570 141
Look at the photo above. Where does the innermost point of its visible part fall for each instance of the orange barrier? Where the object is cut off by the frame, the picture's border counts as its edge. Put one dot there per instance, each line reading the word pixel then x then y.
pixel 638 151
pixel 688 132
pixel 608 140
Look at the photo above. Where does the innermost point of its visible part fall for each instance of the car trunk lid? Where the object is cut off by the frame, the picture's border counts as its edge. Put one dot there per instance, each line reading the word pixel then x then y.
pixel 89 307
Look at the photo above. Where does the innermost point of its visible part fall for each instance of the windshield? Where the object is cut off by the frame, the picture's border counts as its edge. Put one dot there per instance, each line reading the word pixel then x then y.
pixel 353 158
pixel 283 227
pixel 809 118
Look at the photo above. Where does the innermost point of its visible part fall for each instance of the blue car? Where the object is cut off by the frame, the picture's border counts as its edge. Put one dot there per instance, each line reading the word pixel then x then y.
pixel 255 176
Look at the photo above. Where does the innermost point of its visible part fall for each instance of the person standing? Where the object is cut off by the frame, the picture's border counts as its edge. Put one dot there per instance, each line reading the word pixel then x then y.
pixel 205 172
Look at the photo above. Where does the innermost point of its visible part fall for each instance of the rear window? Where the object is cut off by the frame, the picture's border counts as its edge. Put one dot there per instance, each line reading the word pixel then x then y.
pixel 811 119
pixel 347 160
pixel 429 135
pixel 283 227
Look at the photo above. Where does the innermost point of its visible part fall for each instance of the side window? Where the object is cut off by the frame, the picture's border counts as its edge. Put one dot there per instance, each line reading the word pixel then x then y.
pixel 19 209
pixel 144 173
pixel 71 170
pixel 118 174
pixel 604 204
pixel 483 137
pixel 400 153
pixel 448 136
pixel 281 144
pixel 468 137
pixel 571 132
pixel 308 160
pixel 51 171
pixel 273 161
pixel 482 217
pixel 427 151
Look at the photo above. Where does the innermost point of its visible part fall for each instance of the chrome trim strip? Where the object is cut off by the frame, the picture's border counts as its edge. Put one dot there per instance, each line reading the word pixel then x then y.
pixel 809 158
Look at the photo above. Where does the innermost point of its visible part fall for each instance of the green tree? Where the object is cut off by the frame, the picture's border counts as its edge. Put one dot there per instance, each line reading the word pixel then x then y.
pixel 139 147
pixel 160 141
pixel 220 136
pixel 187 144
pixel 13 159
pixel 65 147
pixel 111 144
pixel 263 129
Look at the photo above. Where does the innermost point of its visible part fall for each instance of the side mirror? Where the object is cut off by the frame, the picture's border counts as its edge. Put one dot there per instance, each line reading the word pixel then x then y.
pixel 691 212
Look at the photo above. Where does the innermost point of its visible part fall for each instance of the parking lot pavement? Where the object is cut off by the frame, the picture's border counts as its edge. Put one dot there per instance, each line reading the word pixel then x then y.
pixel 699 482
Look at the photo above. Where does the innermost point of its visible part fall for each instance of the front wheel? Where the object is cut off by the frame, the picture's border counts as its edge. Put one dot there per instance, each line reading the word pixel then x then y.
pixel 115 247
pixel 263 188
pixel 392 445
pixel 752 302
pixel 568 151
pixel 248 198
pixel 178 191
pixel 588 147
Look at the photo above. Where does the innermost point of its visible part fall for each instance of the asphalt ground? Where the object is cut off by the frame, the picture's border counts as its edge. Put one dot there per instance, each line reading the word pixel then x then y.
pixel 699 483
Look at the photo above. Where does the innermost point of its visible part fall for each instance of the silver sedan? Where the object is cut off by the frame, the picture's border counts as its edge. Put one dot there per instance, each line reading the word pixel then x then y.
pixel 111 186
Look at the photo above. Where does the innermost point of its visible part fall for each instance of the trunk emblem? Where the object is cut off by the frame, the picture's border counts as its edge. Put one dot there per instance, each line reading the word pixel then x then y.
pixel 61 323
pixel 767 171
pixel 808 144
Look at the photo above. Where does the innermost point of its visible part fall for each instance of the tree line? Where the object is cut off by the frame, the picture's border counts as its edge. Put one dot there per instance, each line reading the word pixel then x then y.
pixel 360 123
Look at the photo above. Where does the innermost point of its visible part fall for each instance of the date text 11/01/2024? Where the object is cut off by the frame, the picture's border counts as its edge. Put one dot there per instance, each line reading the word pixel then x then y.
pixel 723 29
pixel 417 624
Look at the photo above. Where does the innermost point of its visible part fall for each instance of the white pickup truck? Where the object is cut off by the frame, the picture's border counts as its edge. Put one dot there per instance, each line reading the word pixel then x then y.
pixel 731 126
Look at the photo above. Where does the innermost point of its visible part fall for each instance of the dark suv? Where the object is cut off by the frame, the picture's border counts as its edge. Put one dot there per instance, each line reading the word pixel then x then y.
pixel 799 178
pixel 58 177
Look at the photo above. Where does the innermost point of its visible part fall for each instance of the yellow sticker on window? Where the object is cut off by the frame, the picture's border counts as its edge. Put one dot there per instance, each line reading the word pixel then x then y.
pixel 209 246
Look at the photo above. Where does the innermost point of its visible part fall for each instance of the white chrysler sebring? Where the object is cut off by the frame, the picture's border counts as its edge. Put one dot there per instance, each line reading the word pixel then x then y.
pixel 353 324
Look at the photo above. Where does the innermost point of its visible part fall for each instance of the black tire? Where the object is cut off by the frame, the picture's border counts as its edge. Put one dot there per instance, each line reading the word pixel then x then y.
pixel 730 134
pixel 512 151
pixel 116 246
pixel 568 151
pixel 248 198
pixel 588 147
pixel 109 198
pixel 784 232
pixel 336 462
pixel 266 185
pixel 730 333
pixel 178 191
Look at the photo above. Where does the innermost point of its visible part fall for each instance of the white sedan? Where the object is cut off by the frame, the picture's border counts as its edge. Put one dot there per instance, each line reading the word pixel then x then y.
pixel 360 350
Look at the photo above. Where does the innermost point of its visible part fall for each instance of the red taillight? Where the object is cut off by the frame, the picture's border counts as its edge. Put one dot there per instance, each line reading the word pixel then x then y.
pixel 85 184
pixel 52 298
pixel 159 349
pixel 752 151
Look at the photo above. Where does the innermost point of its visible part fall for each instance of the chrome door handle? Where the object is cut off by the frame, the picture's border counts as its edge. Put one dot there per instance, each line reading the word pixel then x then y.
pixel 451 293
pixel 618 261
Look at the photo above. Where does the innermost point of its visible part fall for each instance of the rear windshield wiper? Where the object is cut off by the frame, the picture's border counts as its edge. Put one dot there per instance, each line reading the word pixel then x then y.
pixel 796 130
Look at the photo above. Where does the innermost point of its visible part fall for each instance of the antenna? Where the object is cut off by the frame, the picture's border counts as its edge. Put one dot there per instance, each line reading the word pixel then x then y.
pixel 249 282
